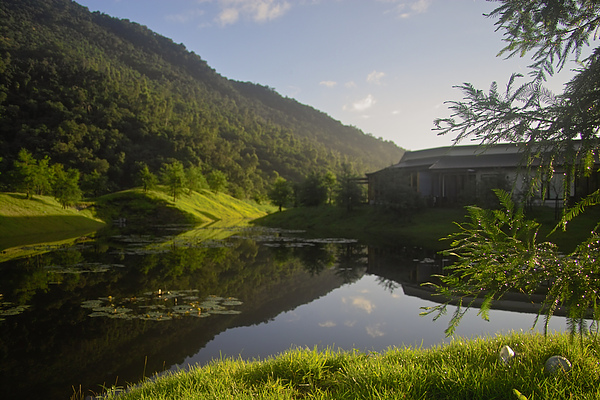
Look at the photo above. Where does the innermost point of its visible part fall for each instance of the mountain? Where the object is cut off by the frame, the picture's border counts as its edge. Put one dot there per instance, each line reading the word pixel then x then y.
pixel 105 96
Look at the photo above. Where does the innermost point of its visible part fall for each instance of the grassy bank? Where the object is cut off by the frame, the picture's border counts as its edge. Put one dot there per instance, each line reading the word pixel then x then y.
pixel 369 224
pixel 373 225
pixel 41 220
pixel 156 206
pixel 464 369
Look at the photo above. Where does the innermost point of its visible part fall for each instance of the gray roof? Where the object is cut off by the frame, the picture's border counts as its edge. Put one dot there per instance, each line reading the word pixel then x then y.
pixel 463 157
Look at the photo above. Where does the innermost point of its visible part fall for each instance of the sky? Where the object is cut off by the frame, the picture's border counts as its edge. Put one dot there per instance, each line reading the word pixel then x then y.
pixel 386 67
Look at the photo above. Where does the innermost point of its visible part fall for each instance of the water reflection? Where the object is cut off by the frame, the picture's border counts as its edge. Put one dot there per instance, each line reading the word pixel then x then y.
pixel 284 290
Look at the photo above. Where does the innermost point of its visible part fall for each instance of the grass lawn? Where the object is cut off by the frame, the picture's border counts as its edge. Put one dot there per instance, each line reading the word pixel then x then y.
pixel 41 220
pixel 463 369
pixel 370 225
pixel 425 228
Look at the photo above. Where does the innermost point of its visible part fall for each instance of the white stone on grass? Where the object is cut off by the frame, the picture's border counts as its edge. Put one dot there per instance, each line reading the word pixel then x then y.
pixel 506 354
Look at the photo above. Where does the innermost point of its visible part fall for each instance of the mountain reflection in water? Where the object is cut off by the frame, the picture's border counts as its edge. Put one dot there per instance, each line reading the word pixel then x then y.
pixel 110 311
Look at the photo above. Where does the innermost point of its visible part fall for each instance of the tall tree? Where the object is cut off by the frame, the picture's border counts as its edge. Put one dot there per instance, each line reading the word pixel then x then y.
pixel 350 193
pixel 280 193
pixel 94 184
pixel 66 185
pixel 498 251
pixel 195 179
pixel 146 178
pixel 217 181
pixel 173 175
pixel 33 176
pixel 330 181
pixel 313 191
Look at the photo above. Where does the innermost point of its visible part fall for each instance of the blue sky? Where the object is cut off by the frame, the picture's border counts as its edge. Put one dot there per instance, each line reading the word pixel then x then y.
pixel 384 66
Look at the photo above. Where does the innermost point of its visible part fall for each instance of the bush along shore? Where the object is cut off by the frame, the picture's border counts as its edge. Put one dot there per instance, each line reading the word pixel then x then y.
pixel 513 366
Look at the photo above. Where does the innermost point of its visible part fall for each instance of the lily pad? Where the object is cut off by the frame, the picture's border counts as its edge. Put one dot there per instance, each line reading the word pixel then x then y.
pixel 161 305
pixel 8 309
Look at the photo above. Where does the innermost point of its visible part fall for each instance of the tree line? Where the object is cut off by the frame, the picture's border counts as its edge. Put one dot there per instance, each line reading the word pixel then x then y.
pixel 33 176
pixel 317 189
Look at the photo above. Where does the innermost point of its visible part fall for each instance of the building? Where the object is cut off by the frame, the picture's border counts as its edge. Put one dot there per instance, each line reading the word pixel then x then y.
pixel 458 175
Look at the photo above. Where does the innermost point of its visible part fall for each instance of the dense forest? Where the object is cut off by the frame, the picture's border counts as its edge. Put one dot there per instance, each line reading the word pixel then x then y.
pixel 109 98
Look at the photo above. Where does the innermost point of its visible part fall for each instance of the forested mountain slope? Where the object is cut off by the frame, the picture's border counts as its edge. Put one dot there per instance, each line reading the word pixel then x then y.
pixel 101 94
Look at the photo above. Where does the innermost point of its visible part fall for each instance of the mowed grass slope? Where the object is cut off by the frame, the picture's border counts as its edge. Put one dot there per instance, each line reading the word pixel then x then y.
pixel 159 207
pixel 41 219
pixel 206 206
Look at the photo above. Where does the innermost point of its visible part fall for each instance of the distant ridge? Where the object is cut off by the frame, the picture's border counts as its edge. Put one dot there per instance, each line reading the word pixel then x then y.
pixel 101 94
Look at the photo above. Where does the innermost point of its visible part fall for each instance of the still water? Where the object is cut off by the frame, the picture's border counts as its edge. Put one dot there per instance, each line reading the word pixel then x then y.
pixel 124 306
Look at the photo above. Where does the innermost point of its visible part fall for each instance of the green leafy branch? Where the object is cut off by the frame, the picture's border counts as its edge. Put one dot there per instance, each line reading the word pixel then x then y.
pixel 497 251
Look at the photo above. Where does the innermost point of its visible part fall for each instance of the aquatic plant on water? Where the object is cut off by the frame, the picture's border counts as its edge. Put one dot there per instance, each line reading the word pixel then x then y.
pixel 162 306
pixel 9 309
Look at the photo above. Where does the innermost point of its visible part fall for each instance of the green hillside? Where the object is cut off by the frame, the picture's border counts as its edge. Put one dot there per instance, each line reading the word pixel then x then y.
pixel 106 96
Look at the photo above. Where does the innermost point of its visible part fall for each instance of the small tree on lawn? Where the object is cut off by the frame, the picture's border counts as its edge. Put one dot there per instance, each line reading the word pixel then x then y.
pixel 281 193
pixel 195 179
pixel 65 185
pixel 34 176
pixel 146 178
pixel 173 175
pixel 313 191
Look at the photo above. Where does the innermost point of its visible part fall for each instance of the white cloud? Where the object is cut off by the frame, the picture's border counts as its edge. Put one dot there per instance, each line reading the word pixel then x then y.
pixel 228 16
pixel 375 331
pixel 327 324
pixel 363 304
pixel 329 84
pixel 406 9
pixel 256 10
pixel 364 104
pixel 184 18
pixel 420 6
pixel 375 77
pixel 350 84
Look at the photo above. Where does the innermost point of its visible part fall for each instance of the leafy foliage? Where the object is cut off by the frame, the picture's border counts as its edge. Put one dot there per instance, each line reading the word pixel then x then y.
pixel 66 185
pixel 529 112
pixel 312 191
pixel 281 193
pixel 497 250
pixel 350 193
pixel 173 175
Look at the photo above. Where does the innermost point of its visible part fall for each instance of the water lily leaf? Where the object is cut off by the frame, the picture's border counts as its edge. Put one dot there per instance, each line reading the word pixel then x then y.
pixel 161 305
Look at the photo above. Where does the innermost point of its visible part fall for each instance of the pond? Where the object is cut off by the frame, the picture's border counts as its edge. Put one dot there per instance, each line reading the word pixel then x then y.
pixel 125 306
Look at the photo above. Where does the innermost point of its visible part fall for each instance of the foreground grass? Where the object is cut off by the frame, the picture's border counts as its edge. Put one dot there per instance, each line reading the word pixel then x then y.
pixel 460 370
